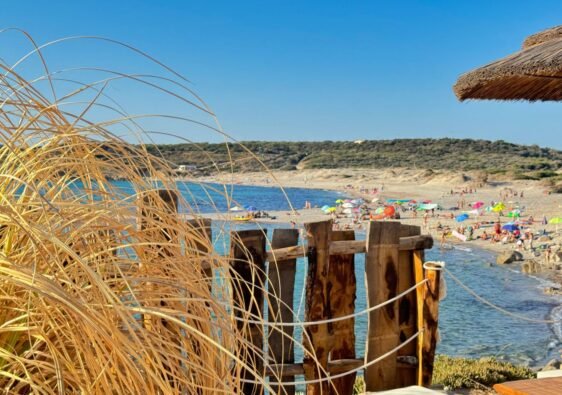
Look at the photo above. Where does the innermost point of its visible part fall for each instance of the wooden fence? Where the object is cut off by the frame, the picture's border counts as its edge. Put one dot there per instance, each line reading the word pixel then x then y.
pixel 394 263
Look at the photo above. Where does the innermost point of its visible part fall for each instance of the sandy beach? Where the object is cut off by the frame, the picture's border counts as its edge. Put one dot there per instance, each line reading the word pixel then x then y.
pixel 422 185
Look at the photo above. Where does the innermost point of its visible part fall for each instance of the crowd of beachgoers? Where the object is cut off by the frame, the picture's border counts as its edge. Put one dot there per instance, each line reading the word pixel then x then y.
pixel 502 216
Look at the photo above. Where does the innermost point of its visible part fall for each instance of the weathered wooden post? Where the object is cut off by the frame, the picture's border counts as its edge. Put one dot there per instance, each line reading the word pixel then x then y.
pixel 201 243
pixel 381 277
pixel 407 312
pixel 247 251
pixel 281 275
pixel 166 203
pixel 342 287
pixel 317 339
pixel 428 311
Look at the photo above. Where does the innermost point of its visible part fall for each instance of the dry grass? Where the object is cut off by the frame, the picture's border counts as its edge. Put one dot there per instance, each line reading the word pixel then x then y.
pixel 91 302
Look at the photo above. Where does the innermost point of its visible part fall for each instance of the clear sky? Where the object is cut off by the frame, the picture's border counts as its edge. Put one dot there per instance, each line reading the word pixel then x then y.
pixel 317 70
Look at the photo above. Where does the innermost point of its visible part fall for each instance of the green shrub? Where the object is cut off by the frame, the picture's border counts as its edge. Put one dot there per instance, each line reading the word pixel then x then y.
pixel 456 373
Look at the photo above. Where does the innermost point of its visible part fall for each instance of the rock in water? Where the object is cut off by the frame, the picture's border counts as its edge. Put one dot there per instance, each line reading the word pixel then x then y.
pixel 506 257
pixel 518 256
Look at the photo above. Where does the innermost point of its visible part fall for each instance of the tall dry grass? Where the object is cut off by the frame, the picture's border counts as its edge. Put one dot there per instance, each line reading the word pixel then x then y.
pixel 103 290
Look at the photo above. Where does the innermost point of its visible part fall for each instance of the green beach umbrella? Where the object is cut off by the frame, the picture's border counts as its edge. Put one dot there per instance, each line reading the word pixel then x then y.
pixel 339 201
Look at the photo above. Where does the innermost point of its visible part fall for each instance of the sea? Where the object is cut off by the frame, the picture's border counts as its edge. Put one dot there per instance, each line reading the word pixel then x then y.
pixel 467 327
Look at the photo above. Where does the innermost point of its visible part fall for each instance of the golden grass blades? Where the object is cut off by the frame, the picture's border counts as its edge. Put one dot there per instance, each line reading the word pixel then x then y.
pixel 103 286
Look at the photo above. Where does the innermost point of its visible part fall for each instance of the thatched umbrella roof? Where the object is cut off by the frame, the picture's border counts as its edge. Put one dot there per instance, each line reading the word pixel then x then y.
pixel 534 73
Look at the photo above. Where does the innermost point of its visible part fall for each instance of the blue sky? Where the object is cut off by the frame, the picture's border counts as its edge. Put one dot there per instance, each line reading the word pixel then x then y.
pixel 311 70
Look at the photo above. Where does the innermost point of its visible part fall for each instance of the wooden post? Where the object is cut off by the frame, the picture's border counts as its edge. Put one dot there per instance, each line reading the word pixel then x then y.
pixel 317 339
pixel 281 275
pixel 150 206
pixel 247 250
pixel 407 310
pixel 202 241
pixel 381 276
pixel 430 324
pixel 420 294
pixel 154 207
pixel 342 287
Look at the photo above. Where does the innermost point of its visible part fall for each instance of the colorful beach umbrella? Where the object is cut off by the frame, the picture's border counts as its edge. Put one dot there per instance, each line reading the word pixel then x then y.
pixel 510 227
pixel 325 207
pixel 339 201
pixel 477 204
pixel 331 210
pixel 498 207
pixel 514 214
pixel 347 205
pixel 379 210
pixel 462 217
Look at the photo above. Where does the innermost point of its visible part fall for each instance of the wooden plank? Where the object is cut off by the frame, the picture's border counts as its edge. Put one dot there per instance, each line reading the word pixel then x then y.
pixel 419 276
pixel 247 250
pixel 346 247
pixel 421 242
pixel 381 276
pixel 430 324
pixel 548 386
pixel 281 276
pixel 317 339
pixel 342 287
pixel 349 247
pixel 407 309
pixel 334 367
pixel 287 253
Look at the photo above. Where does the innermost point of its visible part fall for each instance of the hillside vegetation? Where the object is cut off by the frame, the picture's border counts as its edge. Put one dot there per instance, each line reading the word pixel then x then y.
pixel 437 154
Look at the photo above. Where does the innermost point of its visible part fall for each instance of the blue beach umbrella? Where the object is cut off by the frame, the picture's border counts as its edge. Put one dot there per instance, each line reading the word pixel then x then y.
pixel 510 227
pixel 462 217
pixel 325 207
pixel 250 208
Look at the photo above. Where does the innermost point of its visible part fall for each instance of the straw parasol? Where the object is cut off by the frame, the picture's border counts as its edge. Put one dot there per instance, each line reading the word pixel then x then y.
pixel 534 73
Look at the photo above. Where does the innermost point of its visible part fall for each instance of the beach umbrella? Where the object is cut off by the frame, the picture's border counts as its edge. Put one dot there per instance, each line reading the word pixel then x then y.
pixel 339 201
pixel 389 211
pixel 236 208
pixel 250 208
pixel 325 207
pixel 462 217
pixel 514 214
pixel 347 211
pixel 379 210
pixel 477 204
pixel 530 74
pixel 375 200
pixel 510 227
pixel 556 221
pixel 347 205
pixel 357 201
pixel 498 207
pixel 331 209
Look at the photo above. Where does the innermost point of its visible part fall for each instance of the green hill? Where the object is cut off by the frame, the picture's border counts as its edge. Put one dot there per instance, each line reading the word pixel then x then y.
pixel 493 157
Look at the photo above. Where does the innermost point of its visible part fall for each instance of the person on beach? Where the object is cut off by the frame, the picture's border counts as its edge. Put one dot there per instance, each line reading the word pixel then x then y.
pixel 443 236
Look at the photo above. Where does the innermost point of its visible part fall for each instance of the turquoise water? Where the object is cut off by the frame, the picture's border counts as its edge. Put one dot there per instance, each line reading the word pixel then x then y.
pixel 467 327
